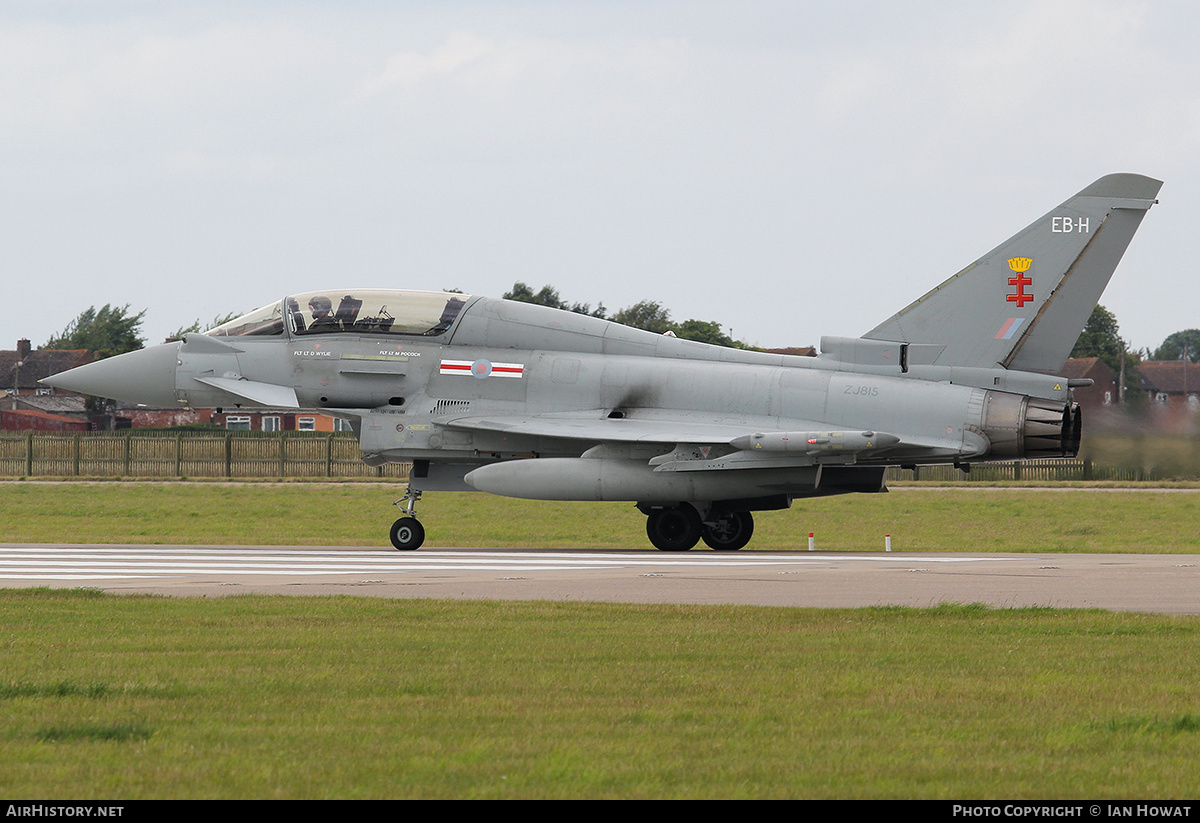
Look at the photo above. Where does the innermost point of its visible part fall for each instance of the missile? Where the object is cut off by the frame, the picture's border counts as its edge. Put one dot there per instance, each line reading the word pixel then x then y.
pixel 814 442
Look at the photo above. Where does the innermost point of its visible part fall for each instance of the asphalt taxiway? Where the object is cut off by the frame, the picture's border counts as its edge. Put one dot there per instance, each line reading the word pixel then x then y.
pixel 1168 584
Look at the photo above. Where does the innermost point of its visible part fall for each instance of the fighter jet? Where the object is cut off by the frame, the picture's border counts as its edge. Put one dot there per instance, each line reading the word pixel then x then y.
pixel 531 402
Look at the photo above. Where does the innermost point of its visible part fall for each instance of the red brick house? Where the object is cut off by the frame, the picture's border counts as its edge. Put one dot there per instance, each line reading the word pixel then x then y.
pixel 1104 391
pixel 22 368
pixel 1171 385
pixel 273 420
pixel 40 421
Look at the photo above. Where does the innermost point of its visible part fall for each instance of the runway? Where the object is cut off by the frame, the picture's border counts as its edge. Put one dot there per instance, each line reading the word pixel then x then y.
pixel 1168 584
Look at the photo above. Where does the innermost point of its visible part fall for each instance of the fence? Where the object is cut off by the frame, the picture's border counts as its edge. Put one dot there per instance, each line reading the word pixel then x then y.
pixel 291 454
pixel 1048 470
pixel 187 454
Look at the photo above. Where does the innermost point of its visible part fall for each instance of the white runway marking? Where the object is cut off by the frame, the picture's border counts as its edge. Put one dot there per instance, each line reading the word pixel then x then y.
pixel 90 563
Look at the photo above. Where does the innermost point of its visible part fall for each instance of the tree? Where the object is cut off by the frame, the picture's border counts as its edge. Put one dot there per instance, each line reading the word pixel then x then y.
pixel 706 331
pixel 197 327
pixel 1173 347
pixel 522 293
pixel 647 314
pixel 548 296
pixel 1101 338
pixel 106 332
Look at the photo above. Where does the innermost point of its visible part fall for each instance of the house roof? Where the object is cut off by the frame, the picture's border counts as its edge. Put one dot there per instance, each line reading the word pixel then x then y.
pixel 1170 376
pixel 796 351
pixel 53 403
pixel 39 363
pixel 1092 367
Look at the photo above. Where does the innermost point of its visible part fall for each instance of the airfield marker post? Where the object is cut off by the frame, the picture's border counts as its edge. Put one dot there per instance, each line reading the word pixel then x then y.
pixel 887 542
pixel 810 541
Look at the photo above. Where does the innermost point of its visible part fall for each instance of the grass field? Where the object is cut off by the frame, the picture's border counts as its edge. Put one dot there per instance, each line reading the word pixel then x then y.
pixel 1016 519
pixel 273 697
pixel 107 697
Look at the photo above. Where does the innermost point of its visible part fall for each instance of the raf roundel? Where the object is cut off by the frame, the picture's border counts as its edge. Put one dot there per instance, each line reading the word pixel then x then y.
pixel 481 369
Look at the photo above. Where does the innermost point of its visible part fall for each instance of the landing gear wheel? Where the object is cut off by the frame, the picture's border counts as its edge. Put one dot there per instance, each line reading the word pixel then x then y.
pixel 729 532
pixel 407 534
pixel 673 530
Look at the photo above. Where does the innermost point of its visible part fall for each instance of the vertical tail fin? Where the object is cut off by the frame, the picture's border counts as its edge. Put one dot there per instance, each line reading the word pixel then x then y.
pixel 1022 305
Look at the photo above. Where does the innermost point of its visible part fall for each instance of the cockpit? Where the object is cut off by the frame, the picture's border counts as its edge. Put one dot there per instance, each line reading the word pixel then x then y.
pixel 370 311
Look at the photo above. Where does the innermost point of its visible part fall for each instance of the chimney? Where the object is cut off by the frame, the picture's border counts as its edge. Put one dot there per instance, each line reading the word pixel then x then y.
pixel 23 349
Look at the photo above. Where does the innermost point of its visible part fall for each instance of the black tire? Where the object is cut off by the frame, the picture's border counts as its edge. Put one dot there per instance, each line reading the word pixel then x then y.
pixel 407 534
pixel 729 532
pixel 673 530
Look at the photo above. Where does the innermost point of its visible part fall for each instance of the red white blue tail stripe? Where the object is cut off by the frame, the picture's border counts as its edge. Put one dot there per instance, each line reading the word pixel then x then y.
pixel 1009 328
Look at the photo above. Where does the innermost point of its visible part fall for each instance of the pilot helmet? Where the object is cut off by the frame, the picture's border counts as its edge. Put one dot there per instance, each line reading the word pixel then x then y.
pixel 321 303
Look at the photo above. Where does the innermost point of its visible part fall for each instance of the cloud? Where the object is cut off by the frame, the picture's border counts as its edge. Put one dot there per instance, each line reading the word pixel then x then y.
pixel 702 154
pixel 461 54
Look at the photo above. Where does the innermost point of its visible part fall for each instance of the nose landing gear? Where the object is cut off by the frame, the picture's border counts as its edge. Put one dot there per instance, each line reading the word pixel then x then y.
pixel 407 533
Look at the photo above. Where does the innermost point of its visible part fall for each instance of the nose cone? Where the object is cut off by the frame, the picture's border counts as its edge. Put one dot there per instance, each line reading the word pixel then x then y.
pixel 144 376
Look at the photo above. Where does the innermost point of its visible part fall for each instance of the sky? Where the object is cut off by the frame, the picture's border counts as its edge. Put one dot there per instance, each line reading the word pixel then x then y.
pixel 787 169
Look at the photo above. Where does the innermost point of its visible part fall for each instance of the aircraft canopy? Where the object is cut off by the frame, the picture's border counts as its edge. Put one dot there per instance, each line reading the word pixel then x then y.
pixel 361 311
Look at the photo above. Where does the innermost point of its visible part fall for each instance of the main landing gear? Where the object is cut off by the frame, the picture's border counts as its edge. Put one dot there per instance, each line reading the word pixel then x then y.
pixel 679 528
pixel 670 528
pixel 407 532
